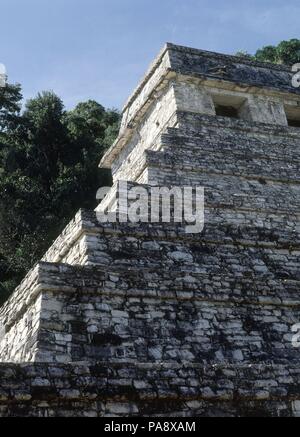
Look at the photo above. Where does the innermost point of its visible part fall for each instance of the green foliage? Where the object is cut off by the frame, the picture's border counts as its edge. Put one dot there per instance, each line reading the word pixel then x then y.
pixel 10 100
pixel 286 52
pixel 267 54
pixel 48 169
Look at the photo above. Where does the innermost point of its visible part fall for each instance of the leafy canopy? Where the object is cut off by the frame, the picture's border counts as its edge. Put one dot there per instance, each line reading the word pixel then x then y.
pixel 48 169
pixel 286 52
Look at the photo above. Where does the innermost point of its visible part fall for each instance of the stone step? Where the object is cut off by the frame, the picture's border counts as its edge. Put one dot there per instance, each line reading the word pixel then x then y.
pixel 147 390
pixel 237 143
pixel 216 249
pixel 264 226
pixel 146 282
pixel 122 315
pixel 228 191
pixel 212 157
pixel 193 124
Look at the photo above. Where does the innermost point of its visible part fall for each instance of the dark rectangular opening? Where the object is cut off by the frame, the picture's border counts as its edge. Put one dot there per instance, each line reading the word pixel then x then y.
pixel 227 111
pixel 293 115
pixel 293 122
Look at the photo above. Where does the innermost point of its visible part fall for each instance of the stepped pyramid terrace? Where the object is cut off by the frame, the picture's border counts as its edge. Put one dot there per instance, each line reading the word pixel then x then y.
pixel 146 319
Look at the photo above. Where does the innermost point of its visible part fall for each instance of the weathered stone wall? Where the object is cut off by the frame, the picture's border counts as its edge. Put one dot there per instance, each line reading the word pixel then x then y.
pixel 20 321
pixel 127 327
pixel 159 116
pixel 199 63
pixel 19 343
pixel 105 390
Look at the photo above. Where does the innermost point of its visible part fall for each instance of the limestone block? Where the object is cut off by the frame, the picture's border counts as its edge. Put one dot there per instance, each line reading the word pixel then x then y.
pixel 193 98
pixel 264 110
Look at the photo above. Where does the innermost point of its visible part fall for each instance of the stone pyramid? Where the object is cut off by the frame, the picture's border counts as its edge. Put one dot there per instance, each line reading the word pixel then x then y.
pixel 144 319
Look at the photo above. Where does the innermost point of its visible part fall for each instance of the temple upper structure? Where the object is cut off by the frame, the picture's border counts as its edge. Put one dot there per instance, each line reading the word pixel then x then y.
pixel 144 319
pixel 189 81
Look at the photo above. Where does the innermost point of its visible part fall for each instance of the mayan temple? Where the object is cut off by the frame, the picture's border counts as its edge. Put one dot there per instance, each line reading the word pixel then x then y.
pixel 144 319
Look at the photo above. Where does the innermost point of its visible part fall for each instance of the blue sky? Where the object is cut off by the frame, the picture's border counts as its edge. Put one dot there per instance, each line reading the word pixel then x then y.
pixel 100 49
